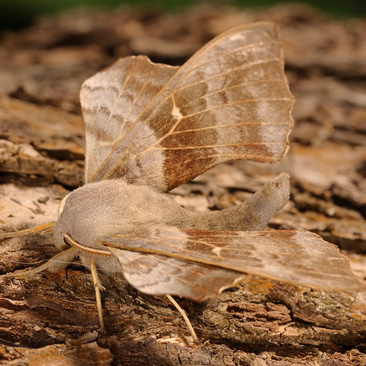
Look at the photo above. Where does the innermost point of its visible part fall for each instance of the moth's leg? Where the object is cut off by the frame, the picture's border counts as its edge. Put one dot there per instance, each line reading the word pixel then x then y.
pixel 97 288
pixel 185 317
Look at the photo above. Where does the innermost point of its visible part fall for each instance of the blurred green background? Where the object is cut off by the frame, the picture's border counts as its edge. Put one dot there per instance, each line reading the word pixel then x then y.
pixel 15 14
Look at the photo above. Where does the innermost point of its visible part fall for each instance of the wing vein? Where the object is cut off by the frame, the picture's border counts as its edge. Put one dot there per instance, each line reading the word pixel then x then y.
pixel 230 125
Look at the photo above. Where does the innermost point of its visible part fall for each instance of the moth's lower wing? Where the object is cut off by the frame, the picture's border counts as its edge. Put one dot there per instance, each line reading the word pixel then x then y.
pixel 179 256
pixel 112 99
pixel 228 101
pixel 161 275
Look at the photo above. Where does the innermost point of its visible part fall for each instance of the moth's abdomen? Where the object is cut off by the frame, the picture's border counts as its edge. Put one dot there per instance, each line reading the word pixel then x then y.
pixel 255 213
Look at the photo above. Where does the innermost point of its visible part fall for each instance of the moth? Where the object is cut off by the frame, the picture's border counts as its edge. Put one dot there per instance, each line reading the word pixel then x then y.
pixel 152 127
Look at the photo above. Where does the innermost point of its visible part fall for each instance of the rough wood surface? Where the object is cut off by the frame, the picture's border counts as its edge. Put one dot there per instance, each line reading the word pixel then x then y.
pixel 53 316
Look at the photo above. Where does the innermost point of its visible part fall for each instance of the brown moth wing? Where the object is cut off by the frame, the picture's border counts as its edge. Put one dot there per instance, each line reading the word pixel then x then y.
pixel 200 263
pixel 161 275
pixel 112 99
pixel 228 101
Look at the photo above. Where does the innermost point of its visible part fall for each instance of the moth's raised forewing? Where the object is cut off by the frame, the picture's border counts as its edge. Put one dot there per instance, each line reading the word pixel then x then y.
pixel 228 101
pixel 201 263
